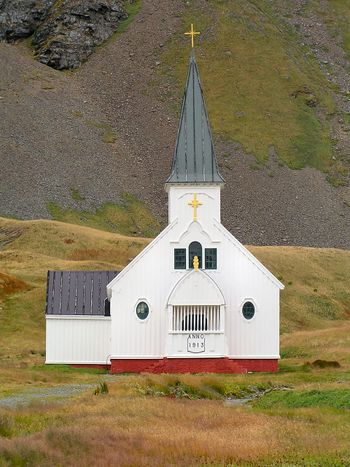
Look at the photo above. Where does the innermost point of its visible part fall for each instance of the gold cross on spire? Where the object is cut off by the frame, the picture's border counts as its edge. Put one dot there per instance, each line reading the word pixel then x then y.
pixel 192 33
pixel 194 204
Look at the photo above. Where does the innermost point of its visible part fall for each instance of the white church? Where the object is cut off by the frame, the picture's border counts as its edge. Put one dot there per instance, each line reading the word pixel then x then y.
pixel 194 300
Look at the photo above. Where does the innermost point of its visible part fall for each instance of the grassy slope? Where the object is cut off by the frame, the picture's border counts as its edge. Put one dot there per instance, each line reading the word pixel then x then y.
pixel 130 217
pixel 266 81
pixel 307 426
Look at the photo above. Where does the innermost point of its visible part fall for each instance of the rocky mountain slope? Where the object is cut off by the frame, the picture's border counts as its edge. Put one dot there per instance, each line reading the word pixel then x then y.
pixel 275 76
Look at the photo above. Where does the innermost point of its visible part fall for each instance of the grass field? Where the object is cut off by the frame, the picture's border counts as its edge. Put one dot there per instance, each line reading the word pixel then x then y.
pixel 302 419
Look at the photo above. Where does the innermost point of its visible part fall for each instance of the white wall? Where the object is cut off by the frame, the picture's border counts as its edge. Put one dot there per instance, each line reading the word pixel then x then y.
pixel 151 276
pixel 78 339
pixel 179 196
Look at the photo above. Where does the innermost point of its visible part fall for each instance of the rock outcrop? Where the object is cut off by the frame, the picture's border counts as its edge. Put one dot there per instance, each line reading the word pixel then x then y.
pixel 65 32
pixel 72 30
pixel 20 18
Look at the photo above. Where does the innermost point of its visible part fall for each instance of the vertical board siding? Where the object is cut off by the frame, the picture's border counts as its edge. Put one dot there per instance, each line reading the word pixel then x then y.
pixel 78 340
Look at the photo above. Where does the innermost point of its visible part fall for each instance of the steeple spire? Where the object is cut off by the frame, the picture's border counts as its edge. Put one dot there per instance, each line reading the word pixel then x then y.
pixel 194 159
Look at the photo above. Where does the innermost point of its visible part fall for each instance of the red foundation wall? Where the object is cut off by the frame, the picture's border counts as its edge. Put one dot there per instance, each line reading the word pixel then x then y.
pixel 193 365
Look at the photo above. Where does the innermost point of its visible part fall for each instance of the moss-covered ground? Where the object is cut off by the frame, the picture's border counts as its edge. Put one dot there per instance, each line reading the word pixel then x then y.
pixel 129 217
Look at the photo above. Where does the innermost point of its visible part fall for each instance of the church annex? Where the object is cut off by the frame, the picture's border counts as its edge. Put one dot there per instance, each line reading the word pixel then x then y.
pixel 194 300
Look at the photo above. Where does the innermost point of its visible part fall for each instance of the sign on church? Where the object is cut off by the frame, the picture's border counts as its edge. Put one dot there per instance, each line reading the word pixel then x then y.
pixel 196 343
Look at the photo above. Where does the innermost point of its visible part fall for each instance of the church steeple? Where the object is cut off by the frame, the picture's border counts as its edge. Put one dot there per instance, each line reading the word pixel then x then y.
pixel 194 160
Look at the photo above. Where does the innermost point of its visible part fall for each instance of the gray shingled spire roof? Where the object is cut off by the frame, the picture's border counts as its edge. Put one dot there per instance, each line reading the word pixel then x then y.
pixel 194 158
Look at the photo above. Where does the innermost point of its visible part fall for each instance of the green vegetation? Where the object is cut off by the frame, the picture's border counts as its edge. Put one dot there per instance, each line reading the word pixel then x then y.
pixel 75 193
pixel 67 369
pixel 131 8
pixel 130 217
pixel 205 387
pixel 270 91
pixel 334 398
pixel 107 133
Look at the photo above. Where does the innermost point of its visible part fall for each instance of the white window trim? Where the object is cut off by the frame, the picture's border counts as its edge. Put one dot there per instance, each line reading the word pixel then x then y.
pixel 149 310
pixel 241 310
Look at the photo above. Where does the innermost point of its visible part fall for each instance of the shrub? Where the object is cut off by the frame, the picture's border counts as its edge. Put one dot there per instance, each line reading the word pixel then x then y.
pixel 6 425
pixel 102 388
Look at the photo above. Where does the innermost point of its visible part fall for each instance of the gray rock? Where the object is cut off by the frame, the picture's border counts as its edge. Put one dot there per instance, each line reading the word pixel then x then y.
pixel 20 18
pixel 65 32
pixel 71 31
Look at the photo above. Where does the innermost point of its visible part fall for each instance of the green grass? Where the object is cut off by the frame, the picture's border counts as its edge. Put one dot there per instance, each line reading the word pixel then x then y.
pixel 67 369
pixel 335 398
pixel 194 388
pixel 75 193
pixel 129 217
pixel 132 10
pixel 107 133
pixel 258 81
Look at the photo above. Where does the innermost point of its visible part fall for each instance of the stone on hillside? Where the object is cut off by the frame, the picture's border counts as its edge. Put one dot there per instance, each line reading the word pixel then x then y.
pixel 20 18
pixel 73 29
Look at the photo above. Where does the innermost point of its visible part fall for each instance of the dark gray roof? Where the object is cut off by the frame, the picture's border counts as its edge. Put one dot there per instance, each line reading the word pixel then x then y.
pixel 78 292
pixel 194 158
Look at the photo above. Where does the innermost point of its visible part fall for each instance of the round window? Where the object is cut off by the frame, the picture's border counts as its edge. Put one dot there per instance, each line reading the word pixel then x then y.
pixel 248 310
pixel 142 310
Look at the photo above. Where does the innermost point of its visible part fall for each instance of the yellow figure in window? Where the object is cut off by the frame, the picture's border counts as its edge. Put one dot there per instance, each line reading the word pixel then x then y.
pixel 196 263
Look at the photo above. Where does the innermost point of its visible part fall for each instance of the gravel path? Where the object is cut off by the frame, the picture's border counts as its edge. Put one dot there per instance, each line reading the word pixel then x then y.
pixel 44 394
pixel 52 393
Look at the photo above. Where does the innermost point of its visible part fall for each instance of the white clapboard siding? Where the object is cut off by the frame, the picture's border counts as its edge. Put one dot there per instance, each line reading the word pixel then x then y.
pixel 78 339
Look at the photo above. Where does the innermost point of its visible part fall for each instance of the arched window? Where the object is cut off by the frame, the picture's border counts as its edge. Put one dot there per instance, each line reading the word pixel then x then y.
pixel 195 249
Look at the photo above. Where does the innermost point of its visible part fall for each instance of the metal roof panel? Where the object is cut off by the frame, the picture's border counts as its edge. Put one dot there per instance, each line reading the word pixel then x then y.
pixel 77 292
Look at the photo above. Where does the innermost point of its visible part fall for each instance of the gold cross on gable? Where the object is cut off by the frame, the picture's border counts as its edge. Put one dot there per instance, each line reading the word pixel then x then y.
pixel 194 204
pixel 192 33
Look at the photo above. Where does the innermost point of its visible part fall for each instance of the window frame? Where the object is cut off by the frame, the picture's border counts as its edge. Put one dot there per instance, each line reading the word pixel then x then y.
pixel 184 251
pixel 248 300
pixel 200 258
pixel 142 300
pixel 216 258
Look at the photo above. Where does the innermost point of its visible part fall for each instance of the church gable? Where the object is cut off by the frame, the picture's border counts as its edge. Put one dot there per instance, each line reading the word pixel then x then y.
pixel 196 288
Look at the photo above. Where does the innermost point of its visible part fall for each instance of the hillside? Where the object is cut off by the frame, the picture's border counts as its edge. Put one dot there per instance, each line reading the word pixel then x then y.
pixel 275 77
pixel 50 415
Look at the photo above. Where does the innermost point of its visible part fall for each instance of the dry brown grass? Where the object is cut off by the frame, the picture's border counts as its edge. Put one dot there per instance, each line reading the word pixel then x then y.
pixel 126 429
pixel 10 285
